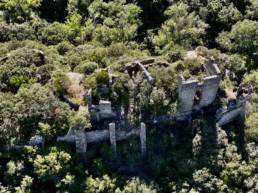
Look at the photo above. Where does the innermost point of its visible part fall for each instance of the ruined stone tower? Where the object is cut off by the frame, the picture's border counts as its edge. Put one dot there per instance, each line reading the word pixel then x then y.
pixel 187 90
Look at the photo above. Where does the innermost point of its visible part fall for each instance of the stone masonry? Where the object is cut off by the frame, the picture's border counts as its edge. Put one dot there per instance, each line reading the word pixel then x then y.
pixel 81 138
pixel 234 109
pixel 112 135
pixel 80 141
pixel 143 138
pixel 187 90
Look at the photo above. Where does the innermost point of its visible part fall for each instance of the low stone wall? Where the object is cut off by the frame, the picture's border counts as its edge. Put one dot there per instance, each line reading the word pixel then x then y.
pixel 225 116
pixel 81 138
pixel 230 115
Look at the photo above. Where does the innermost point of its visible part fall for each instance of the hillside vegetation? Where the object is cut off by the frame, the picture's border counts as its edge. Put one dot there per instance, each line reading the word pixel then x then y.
pixel 54 51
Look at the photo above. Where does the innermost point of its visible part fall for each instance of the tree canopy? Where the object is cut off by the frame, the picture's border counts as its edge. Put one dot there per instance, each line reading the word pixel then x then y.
pixel 63 62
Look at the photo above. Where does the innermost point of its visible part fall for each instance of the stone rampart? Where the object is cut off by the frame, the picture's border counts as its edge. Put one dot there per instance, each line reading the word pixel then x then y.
pixel 224 116
pixel 229 115
pixel 81 138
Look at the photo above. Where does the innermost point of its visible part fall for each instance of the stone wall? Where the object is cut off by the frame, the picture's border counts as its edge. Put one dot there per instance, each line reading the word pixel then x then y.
pixel 186 94
pixel 187 90
pixel 135 67
pixel 226 115
pixel 209 90
pixel 80 141
pixel 81 138
pixel 229 115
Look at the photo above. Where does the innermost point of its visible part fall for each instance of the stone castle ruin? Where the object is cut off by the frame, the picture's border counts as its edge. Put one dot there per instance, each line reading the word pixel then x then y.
pixel 187 90
pixel 193 95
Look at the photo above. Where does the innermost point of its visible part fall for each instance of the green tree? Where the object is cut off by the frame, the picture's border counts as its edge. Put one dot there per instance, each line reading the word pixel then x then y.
pixel 100 185
pixel 81 119
pixel 242 38
pixel 120 91
pixel 18 10
pixel 251 124
pixel 113 21
pixel 135 185
pixel 24 66
pixel 54 33
pixel 252 10
pixel 204 181
pixel 25 185
pixel 22 112
pixel 158 102
pixel 252 79
pixel 240 175
pixel 66 184
pixel 182 28
pixel 52 166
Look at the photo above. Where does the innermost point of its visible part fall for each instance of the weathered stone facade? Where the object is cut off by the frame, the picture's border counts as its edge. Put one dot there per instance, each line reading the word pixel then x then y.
pixel 187 90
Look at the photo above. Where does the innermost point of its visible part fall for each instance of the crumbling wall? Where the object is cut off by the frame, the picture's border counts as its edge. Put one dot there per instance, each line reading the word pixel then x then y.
pixel 187 90
pixel 80 141
pixel 229 115
pixel 81 138
pixel 101 111
pixel 226 115
pixel 143 65
pixel 211 68
pixel 186 94
pixel 209 90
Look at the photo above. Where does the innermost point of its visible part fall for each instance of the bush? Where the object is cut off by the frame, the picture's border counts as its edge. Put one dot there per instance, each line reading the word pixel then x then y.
pixel 52 166
pixel 64 47
pixel 57 82
pixel 97 79
pixel 80 119
pixel 54 33
pixel 252 79
pixel 16 32
pixel 23 112
pixel 24 66
pixel 252 127
pixel 86 67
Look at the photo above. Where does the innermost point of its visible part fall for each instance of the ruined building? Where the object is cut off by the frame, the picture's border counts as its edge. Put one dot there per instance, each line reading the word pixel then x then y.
pixel 193 95
pixel 207 89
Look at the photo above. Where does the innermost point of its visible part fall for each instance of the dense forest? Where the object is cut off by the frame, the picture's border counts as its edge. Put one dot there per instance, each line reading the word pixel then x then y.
pixel 44 41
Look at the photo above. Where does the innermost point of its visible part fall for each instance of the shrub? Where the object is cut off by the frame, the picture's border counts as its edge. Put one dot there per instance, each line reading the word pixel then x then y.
pixel 252 127
pixel 54 33
pixel 52 166
pixel 16 32
pixel 64 47
pixel 86 67
pixel 97 79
